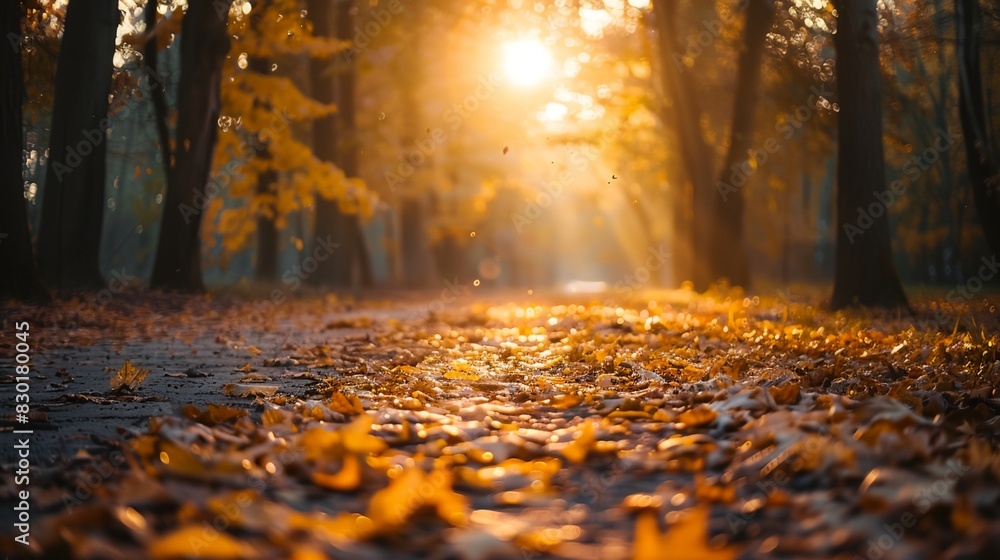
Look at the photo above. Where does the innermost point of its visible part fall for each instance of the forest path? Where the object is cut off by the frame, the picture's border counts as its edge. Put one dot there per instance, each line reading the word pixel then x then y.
pixel 509 427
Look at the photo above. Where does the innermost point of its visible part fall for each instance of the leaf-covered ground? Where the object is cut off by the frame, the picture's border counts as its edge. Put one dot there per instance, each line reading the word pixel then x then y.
pixel 674 426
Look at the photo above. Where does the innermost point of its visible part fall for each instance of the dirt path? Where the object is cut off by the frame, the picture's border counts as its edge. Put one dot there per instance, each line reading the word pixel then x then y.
pixel 485 429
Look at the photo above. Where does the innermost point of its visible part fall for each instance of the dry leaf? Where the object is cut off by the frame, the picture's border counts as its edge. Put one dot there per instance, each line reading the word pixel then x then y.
pixel 787 393
pixel 199 541
pixel 242 390
pixel 128 377
pixel 698 416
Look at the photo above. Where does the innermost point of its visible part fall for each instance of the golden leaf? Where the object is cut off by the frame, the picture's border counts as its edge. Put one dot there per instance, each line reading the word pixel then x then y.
pixel 349 405
pixel 577 449
pixel 412 490
pixel 199 541
pixel 348 478
pixel 698 416
pixel 455 374
pixel 213 414
pixel 687 539
pixel 128 377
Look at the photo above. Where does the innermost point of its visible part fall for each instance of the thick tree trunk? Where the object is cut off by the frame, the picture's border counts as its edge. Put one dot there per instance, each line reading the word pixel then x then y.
pixel 73 198
pixel 694 226
pixel 204 45
pixel 729 255
pixel 334 141
pixel 19 278
pixel 864 271
pixel 983 171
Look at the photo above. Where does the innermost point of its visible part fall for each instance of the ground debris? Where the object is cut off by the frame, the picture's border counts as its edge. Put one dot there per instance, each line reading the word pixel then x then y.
pixel 690 428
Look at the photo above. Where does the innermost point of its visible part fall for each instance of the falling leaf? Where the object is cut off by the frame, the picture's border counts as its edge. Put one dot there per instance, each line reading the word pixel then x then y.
pixel 128 377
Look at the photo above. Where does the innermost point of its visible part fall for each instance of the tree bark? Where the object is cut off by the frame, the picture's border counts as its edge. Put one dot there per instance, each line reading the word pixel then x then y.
pixel 864 271
pixel 20 278
pixel 983 171
pixel 204 45
pixel 334 141
pixel 266 269
pixel 267 234
pixel 729 255
pixel 73 196
pixel 694 226
pixel 150 59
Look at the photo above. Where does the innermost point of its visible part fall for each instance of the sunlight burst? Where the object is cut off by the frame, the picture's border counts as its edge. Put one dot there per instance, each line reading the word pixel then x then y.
pixel 527 61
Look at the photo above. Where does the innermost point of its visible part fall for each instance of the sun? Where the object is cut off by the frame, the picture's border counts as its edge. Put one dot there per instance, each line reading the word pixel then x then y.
pixel 527 61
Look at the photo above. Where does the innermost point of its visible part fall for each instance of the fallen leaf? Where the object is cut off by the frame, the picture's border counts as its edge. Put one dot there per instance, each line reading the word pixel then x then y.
pixel 197 541
pixel 698 416
pixel 242 390
pixel 128 377
pixel 787 393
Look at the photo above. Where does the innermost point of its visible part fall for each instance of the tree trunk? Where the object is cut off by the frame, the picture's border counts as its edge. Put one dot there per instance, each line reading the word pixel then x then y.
pixel 334 141
pixel 267 234
pixel 695 154
pixel 414 244
pixel 204 45
pixel 983 172
pixel 266 269
pixel 20 277
pixel 864 272
pixel 729 255
pixel 73 197
pixel 150 59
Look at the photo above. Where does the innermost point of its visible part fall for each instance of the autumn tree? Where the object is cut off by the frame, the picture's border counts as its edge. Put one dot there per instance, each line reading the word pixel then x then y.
pixel 864 270
pixel 73 197
pixel 269 174
pixel 20 278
